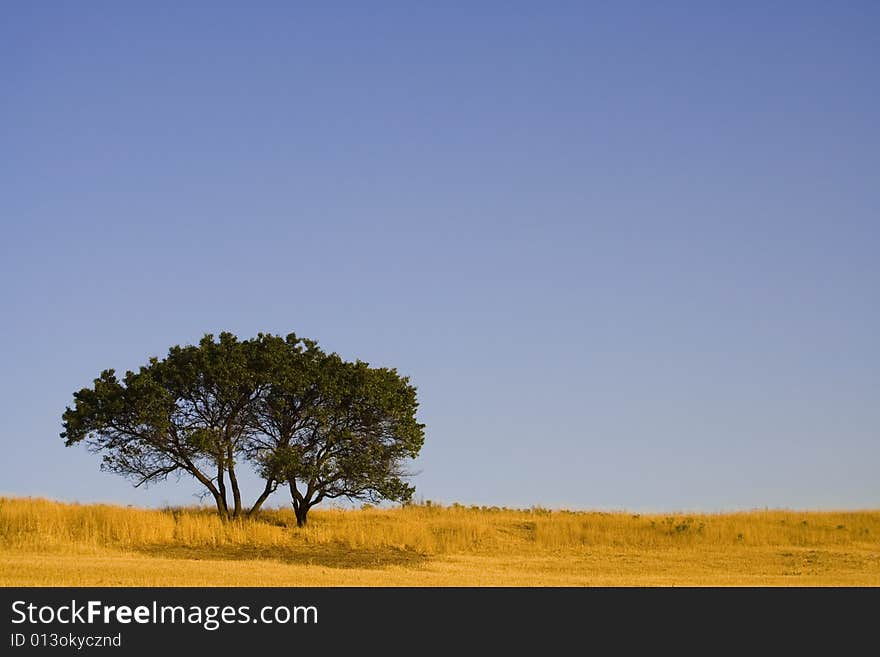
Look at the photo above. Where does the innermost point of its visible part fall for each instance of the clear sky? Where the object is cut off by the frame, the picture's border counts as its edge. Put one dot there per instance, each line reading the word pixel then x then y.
pixel 629 253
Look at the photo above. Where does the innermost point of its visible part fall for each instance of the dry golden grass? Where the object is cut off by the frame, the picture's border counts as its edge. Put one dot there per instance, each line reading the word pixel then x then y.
pixel 45 543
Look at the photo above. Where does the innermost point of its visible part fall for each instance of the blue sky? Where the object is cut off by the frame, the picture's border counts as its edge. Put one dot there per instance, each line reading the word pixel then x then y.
pixel 628 253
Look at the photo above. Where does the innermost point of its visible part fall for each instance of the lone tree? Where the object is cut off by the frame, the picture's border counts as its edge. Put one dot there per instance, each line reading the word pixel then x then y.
pixel 324 427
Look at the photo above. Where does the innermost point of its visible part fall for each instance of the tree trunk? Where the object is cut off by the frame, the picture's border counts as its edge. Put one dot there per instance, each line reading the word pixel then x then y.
pixel 267 491
pixel 233 481
pixel 300 504
pixel 222 510
pixel 221 506
pixel 221 491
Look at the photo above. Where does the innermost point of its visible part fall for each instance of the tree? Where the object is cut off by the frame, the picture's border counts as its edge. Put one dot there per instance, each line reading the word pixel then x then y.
pixel 188 413
pixel 324 427
pixel 337 429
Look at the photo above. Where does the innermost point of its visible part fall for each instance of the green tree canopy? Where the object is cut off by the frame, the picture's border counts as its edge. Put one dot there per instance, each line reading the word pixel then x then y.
pixel 325 427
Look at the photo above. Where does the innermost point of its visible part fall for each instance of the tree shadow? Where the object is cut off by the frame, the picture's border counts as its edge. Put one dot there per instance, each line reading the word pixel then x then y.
pixel 330 555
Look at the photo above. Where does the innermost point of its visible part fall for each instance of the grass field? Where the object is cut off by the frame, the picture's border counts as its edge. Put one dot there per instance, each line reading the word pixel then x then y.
pixel 45 543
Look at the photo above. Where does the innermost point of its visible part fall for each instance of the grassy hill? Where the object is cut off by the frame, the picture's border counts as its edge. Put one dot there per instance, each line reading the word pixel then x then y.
pixel 46 543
